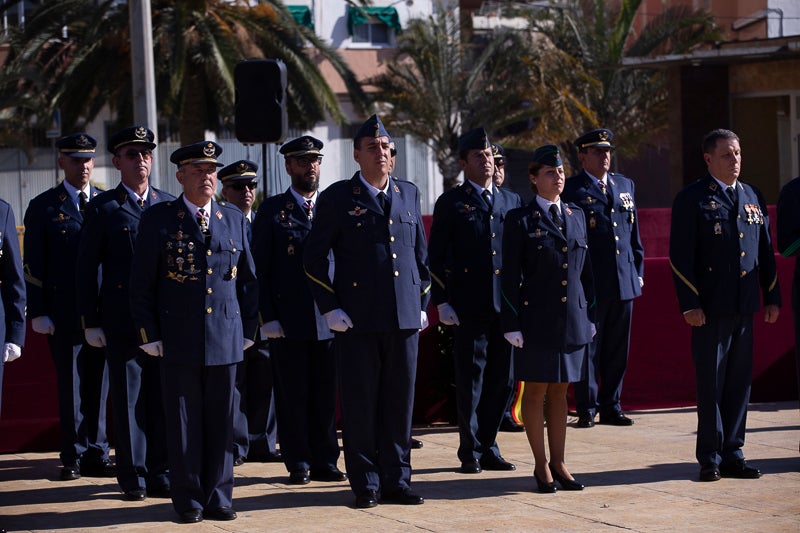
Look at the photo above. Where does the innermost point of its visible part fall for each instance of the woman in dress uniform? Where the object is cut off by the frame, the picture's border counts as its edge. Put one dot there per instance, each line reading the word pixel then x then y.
pixel 547 291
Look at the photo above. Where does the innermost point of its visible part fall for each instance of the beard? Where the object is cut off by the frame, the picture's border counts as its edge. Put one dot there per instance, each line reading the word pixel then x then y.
pixel 305 183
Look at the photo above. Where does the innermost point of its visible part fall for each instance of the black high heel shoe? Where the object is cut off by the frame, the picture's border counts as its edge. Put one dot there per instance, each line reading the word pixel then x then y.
pixel 566 483
pixel 547 488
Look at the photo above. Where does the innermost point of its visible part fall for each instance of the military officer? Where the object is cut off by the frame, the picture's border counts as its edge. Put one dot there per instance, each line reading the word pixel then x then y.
pixel 720 253
pixel 53 223
pixel 194 300
pixel 302 351
pixel 499 156
pixel 12 297
pixel 617 258
pixel 375 304
pixel 466 261
pixel 106 246
pixel 255 429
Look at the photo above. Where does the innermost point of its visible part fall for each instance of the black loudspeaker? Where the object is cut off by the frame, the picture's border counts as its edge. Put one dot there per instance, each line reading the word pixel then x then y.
pixel 260 101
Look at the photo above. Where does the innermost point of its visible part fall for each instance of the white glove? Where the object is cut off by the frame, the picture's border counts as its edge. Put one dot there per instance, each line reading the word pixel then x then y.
pixel 424 320
pixel 247 343
pixel 641 282
pixel 447 315
pixel 514 337
pixel 10 352
pixel 155 349
pixel 338 320
pixel 272 330
pixel 593 329
pixel 95 337
pixel 43 324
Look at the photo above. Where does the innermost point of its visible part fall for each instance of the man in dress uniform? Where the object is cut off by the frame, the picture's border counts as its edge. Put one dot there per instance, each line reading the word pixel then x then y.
pixel 106 246
pixel 720 253
pixel 53 224
pixel 12 290
pixel 255 431
pixel 375 304
pixel 617 257
pixel 194 300
pixel 466 260
pixel 302 352
pixel 499 156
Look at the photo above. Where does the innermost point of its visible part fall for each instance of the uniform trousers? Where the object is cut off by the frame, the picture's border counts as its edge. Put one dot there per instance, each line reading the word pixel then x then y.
pixel 82 377
pixel 305 396
pixel 198 403
pixel 483 383
pixel 139 429
pixel 255 427
pixel 722 351
pixel 377 371
pixel 607 360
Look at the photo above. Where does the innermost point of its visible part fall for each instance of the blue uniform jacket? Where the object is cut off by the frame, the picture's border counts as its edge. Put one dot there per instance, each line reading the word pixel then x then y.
pixel 279 231
pixel 200 300
pixel 547 279
pixel 107 239
pixel 721 255
pixel 52 232
pixel 466 250
pixel 789 228
pixel 12 282
pixel 613 225
pixel 381 277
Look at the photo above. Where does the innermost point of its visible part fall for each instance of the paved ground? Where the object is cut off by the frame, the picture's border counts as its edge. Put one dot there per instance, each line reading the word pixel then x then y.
pixel 641 478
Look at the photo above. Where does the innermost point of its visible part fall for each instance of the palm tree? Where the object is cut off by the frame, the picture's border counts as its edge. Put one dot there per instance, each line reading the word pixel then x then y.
pixel 78 60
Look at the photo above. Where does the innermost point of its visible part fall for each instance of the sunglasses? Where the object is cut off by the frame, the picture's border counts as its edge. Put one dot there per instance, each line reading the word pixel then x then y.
pixel 134 154
pixel 239 186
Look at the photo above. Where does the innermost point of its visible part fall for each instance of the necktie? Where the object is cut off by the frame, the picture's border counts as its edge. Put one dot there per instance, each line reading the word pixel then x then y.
pixel 82 202
pixel 383 201
pixel 731 194
pixel 487 197
pixel 554 214
pixel 202 220
pixel 309 209
pixel 140 201
pixel 602 186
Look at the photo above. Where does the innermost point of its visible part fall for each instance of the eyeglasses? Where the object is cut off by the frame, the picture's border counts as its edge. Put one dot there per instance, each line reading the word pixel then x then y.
pixel 240 186
pixel 392 152
pixel 134 154
pixel 309 160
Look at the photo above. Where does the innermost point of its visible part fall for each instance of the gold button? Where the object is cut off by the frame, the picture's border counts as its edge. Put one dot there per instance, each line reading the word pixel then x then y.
pixel 125 228
pixel 208 252
pixel 617 252
pixel 355 284
pixel 744 273
pixel 210 271
pixel 564 249
pixel 209 290
pixel 497 271
pixel 391 221
pixel 612 210
pixel 616 237
pixel 494 235
pixel 743 254
pixel 391 239
pixel 394 256
pixel 615 224
pixel 563 298
pixel 494 252
pixel 564 266
pixel 525 302
pixel 564 282
pixel 491 217
pixel 234 250
pixel 741 235
pixel 208 310
pixel 396 273
pixel 180 250
pixel 466 269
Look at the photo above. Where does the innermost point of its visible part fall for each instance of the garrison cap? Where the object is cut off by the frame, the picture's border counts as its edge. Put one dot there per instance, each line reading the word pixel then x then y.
pixel 80 145
pixel 242 170
pixel 132 135
pixel 305 145
pixel 373 128
pixel 549 155
pixel 201 152
pixel 475 139
pixel 600 138
pixel 499 154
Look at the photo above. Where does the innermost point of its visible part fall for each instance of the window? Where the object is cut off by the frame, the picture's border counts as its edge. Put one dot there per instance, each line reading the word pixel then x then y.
pixel 373 25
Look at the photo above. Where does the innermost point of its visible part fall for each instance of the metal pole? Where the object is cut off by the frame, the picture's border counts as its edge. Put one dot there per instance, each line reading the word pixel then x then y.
pixel 143 71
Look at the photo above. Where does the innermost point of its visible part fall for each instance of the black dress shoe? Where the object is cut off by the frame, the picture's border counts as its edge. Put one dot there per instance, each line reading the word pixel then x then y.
pixel 402 497
pixel 416 444
pixel 565 482
pixel 740 470
pixel 161 491
pixel 510 426
pixel 299 478
pixel 328 474
pixel 101 468
pixel 274 457
pixel 543 486
pixel 220 513
pixel 135 495
pixel 238 461
pixel 585 420
pixel 709 472
pixel 367 499
pixel 192 516
pixel 70 472
pixel 616 419
pixel 495 462
pixel 470 467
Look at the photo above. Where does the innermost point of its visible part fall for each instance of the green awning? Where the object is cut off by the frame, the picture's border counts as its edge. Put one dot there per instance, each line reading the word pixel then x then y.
pixel 302 15
pixel 371 15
